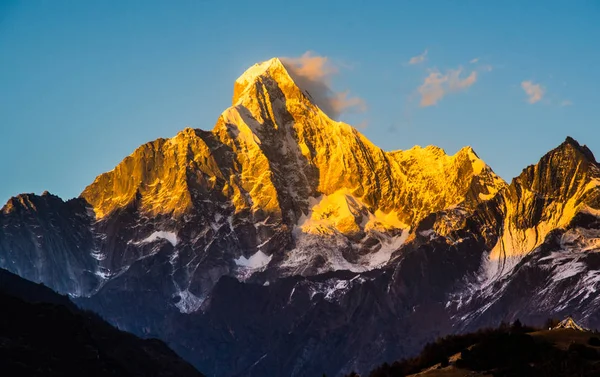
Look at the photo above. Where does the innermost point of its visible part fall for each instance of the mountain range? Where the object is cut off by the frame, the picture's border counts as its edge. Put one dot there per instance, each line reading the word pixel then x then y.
pixel 284 243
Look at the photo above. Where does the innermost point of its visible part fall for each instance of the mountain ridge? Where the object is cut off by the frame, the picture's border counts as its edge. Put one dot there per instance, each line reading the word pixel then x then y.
pixel 270 77
pixel 275 159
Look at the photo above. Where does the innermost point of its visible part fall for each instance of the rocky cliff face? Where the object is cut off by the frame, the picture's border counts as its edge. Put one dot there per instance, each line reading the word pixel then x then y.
pixel 543 259
pixel 544 197
pixel 45 239
pixel 282 237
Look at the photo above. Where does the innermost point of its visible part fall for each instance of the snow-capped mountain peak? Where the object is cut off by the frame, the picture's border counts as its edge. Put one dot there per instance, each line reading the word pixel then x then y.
pixel 279 175
pixel 272 68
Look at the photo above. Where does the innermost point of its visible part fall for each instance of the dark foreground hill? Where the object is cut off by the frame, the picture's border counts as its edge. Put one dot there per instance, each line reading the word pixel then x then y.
pixel 44 334
pixel 503 352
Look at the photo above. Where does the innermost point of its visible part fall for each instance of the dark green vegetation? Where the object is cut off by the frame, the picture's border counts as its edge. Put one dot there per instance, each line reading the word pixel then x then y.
pixel 507 351
pixel 44 334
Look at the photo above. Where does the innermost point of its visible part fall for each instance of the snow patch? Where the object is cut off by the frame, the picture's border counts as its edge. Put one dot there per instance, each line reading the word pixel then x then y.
pixel 188 302
pixel 253 72
pixel 567 270
pixel 334 289
pixel 329 227
pixel 256 260
pixel 340 285
pixel 161 235
pixel 344 213
pixel 388 247
pixel 258 361
pixel 104 273
pixel 98 255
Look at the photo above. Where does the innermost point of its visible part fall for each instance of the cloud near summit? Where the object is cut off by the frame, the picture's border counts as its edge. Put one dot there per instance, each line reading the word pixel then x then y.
pixel 313 73
pixel 437 85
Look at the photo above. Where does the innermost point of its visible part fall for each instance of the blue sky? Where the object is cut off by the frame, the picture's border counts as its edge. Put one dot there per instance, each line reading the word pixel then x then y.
pixel 83 83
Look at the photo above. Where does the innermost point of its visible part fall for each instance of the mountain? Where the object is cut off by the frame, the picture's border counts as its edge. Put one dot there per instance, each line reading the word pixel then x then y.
pixel 45 239
pixel 546 244
pixel 44 334
pixel 275 183
pixel 283 242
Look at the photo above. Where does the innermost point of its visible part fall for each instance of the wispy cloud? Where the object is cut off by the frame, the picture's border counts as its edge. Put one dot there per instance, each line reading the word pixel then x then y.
pixel 313 73
pixel 535 92
pixel 419 58
pixel 473 61
pixel 437 85
pixel 566 103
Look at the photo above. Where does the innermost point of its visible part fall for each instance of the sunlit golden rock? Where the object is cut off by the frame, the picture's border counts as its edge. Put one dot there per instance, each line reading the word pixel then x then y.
pixel 546 196
pixel 278 160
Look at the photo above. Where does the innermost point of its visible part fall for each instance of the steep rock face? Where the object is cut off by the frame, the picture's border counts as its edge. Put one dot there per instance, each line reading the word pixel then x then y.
pixel 557 279
pixel 44 239
pixel 542 233
pixel 546 196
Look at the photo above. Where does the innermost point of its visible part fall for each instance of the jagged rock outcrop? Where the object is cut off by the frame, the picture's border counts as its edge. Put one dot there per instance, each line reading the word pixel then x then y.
pixel 273 150
pixel 546 196
pixel 44 239
pixel 542 257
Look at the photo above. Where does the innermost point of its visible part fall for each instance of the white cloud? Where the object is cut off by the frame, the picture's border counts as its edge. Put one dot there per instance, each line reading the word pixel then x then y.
pixel 535 92
pixel 419 58
pixel 313 73
pixel 438 85
pixel 473 61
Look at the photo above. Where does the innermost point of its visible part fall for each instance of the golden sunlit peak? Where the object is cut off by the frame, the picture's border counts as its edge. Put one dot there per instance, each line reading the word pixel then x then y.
pixel 468 151
pixel 429 149
pixel 186 132
pixel 258 69
pixel 273 67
